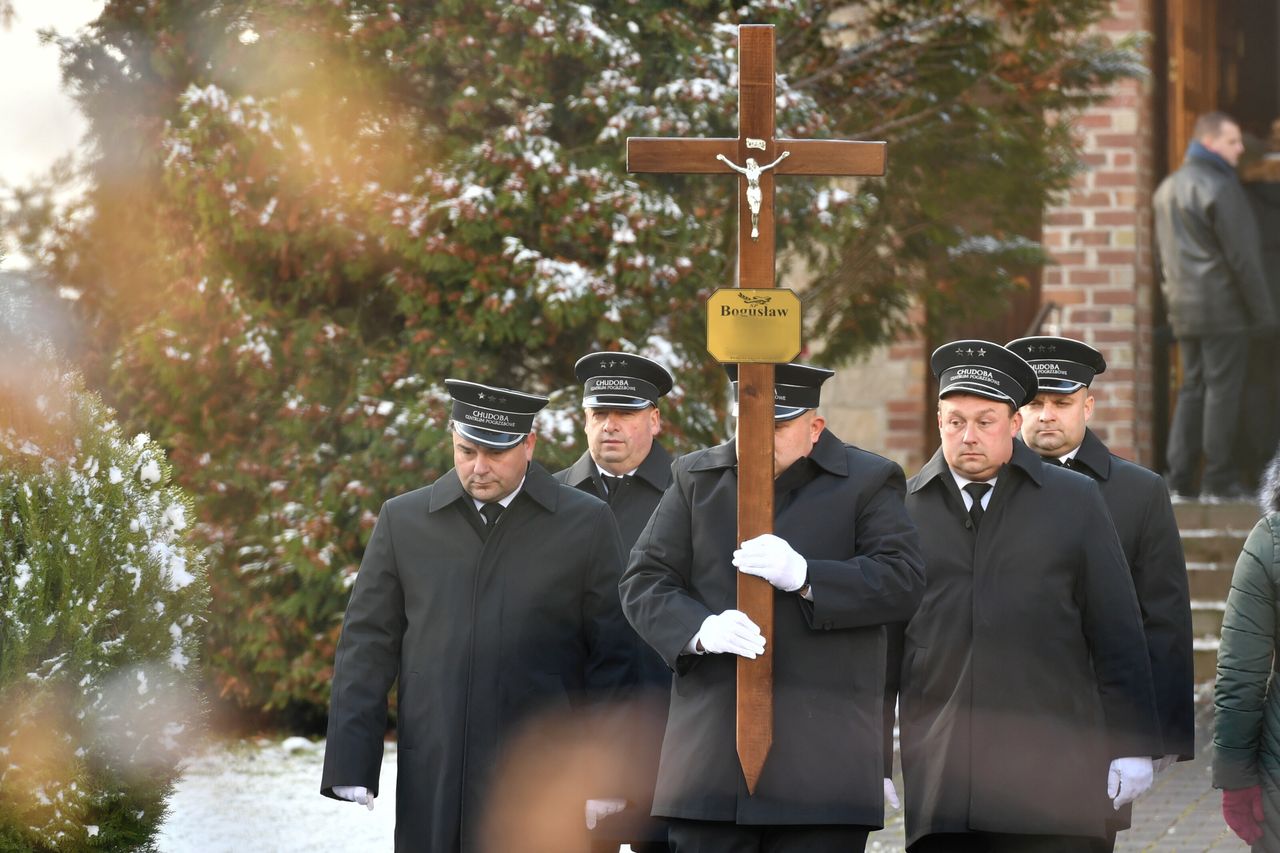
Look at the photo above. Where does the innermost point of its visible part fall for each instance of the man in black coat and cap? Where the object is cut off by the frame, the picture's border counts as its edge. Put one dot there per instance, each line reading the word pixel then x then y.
pixel 843 560
pixel 1026 702
pixel 1054 425
pixel 489 598
pixel 628 469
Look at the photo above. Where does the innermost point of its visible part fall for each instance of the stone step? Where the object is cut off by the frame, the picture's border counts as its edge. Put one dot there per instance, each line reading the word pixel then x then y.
pixel 1206 659
pixel 1206 618
pixel 1212 545
pixel 1234 516
pixel 1209 581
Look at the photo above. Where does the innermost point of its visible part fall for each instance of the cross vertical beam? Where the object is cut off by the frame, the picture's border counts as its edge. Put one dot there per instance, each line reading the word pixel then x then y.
pixel 755 157
pixel 754 735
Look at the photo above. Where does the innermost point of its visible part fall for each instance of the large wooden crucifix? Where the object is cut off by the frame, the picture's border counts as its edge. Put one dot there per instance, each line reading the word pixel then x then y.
pixel 754 158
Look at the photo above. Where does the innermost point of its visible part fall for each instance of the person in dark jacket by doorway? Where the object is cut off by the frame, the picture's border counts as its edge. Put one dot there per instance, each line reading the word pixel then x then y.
pixel 1026 702
pixel 489 598
pixel 1217 296
pixel 843 560
pixel 627 468
pixel 1054 425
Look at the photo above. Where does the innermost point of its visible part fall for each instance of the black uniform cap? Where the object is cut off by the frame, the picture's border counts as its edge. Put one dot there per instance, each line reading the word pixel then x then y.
pixel 983 368
pixel 796 388
pixel 620 380
pixel 1062 365
pixel 494 417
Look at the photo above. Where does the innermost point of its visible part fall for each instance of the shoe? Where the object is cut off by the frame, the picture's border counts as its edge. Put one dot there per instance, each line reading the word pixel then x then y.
pixel 1235 493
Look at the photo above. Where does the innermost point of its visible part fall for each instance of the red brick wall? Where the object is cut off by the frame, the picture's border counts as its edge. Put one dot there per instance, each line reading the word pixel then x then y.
pixel 1099 234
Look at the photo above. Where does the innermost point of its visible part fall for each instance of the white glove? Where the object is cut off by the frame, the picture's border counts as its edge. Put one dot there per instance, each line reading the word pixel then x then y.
pixel 730 632
pixel 891 794
pixel 771 558
pixel 598 810
pixel 1128 779
pixel 356 794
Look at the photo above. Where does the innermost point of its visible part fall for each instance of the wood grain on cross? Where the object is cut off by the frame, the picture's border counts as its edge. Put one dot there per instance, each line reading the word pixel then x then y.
pixel 756 141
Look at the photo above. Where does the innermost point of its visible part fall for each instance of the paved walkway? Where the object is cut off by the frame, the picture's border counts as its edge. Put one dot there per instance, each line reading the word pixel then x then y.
pixel 1180 814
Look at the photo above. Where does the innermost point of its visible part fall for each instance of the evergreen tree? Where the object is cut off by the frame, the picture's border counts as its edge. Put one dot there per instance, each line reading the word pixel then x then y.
pixel 101 613
pixel 304 215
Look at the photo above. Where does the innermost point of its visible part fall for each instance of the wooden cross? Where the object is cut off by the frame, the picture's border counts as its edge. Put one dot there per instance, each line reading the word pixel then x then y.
pixel 756 157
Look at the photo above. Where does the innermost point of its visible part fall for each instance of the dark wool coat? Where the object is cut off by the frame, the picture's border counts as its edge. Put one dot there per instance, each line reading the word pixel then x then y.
pixel 632 503
pixel 841 508
pixel 634 500
pixel 479 635
pixel 1024 672
pixel 1139 504
pixel 1246 723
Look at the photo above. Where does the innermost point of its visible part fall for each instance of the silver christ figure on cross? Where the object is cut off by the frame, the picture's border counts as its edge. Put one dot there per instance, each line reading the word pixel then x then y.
pixel 752 171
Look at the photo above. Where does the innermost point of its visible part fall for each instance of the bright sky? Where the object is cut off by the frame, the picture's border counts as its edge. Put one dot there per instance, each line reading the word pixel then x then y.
pixel 44 121
pixel 40 123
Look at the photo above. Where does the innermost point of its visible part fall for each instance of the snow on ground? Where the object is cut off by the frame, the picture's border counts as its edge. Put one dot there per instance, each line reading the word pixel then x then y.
pixel 264 795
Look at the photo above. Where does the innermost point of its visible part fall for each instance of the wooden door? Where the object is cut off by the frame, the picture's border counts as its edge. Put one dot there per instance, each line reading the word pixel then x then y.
pixel 1193 69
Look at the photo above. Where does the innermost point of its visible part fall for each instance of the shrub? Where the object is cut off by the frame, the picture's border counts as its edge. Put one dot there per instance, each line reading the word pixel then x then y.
pixel 102 605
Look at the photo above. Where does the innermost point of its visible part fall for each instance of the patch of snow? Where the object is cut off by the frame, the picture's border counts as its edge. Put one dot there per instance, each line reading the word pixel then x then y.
pixel 264 796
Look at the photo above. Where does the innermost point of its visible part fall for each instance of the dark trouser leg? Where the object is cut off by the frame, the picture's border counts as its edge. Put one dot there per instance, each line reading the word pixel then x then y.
pixel 815 839
pixel 997 842
pixel 1259 409
pixel 698 836
pixel 1225 359
pixel 1105 845
pixel 949 842
pixel 691 836
pixel 1188 414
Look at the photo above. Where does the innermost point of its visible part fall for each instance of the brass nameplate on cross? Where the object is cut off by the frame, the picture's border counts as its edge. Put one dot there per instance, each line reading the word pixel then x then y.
pixel 753 325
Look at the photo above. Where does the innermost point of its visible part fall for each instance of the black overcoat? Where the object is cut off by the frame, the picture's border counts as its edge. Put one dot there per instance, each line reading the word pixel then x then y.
pixel 1139 503
pixel 842 509
pixel 632 502
pixel 1024 672
pixel 479 634
pixel 635 499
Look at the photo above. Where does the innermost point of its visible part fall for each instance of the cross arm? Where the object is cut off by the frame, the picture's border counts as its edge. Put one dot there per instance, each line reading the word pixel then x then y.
pixel 831 157
pixel 683 156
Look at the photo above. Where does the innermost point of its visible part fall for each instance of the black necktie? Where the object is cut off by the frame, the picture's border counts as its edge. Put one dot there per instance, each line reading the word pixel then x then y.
pixel 1064 463
pixel 976 491
pixel 611 483
pixel 490 513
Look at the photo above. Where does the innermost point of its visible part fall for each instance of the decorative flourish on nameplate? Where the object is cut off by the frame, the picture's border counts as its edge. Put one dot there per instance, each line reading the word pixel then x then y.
pixel 753 300
pixel 752 171
pixel 756 144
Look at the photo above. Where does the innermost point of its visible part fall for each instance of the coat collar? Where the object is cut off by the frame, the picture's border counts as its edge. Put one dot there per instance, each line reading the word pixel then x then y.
pixel 1198 153
pixel 539 485
pixel 582 471
pixel 1094 455
pixel 828 454
pixel 1024 459
pixel 654 470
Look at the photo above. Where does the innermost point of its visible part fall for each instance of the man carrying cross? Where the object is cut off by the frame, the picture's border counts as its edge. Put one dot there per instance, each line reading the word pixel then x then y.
pixel 844 561
pixel 772 741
